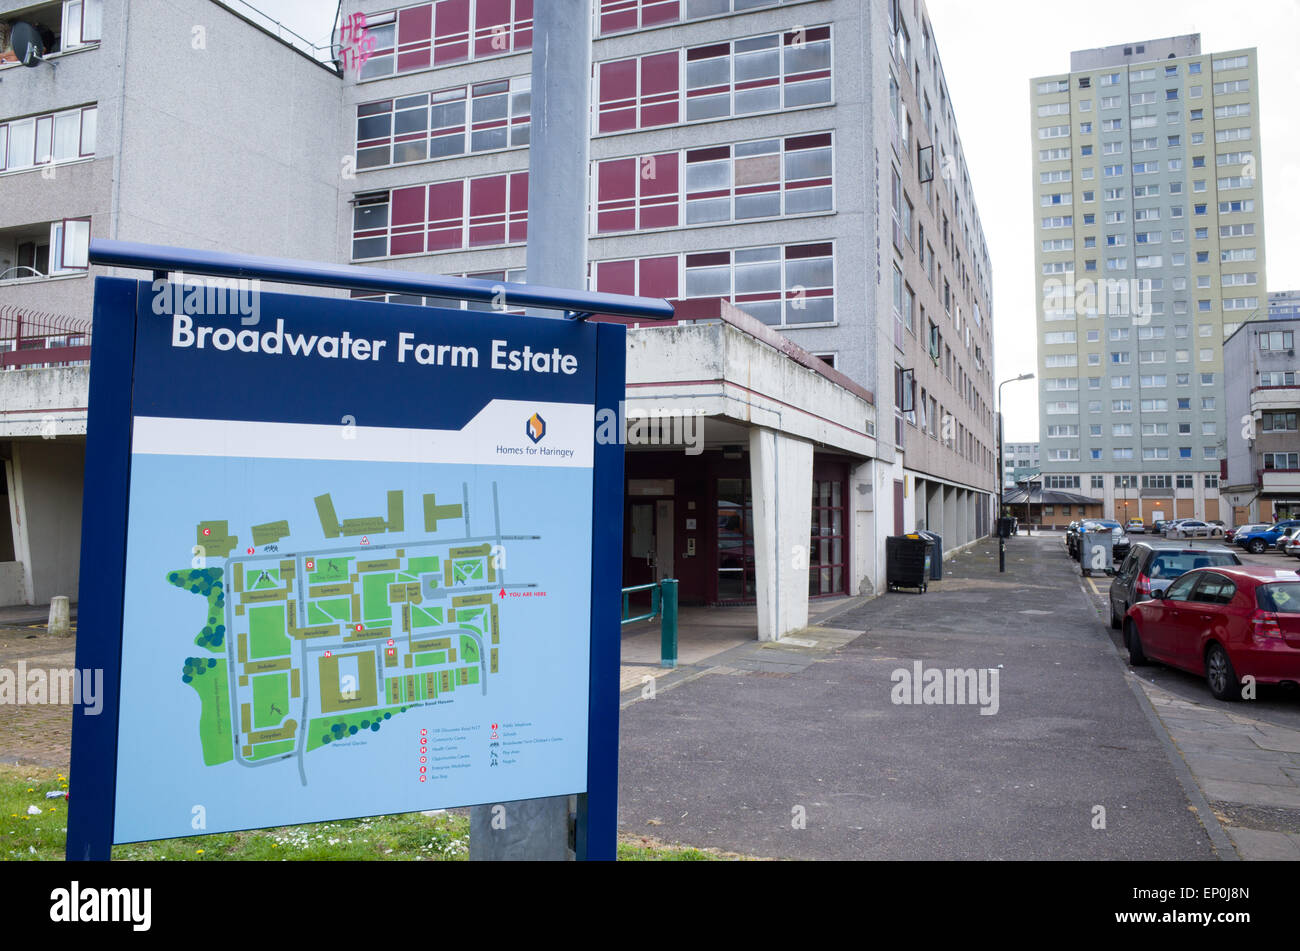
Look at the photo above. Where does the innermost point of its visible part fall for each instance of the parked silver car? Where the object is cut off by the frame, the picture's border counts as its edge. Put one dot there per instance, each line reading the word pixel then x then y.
pixel 1193 528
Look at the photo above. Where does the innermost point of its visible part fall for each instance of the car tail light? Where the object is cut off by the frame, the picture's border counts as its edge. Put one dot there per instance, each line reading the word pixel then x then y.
pixel 1265 624
pixel 1143 588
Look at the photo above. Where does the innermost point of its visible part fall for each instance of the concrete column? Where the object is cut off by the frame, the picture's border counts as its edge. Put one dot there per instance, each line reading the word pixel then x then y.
pixel 934 510
pixel 781 469
pixel 45 485
pixel 950 516
pixel 863 520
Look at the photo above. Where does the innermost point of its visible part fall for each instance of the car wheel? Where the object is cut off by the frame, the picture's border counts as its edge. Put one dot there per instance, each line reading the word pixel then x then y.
pixel 1217 533
pixel 1256 546
pixel 1115 622
pixel 1220 675
pixel 1133 641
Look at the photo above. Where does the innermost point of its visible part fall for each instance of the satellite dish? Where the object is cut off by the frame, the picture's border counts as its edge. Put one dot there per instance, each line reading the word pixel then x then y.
pixel 27 44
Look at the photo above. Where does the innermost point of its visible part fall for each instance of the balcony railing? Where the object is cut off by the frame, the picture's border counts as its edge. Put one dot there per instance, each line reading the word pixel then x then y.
pixel 33 339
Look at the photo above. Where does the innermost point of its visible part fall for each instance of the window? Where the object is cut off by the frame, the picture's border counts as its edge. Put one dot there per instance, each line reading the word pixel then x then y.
pixel 781 286
pixel 449 122
pixel 69 246
pixel 476 212
pixel 82 23
pixel 1233 135
pixel 754 75
pixel 437 34
pixel 1278 422
pixel 1281 460
pixel 52 138
pixel 1230 62
pixel 728 183
pixel 1277 340
pixel 1232 112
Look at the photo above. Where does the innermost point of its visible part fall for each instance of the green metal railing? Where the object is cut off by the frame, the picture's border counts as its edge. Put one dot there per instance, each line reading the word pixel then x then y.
pixel 663 605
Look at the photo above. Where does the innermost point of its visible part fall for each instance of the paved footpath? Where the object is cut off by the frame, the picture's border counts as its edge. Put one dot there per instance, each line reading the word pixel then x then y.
pixel 41 735
pixel 1244 755
pixel 799 752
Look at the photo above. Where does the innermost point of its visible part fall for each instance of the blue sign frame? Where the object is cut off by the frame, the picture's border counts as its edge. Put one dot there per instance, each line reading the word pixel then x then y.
pixel 119 305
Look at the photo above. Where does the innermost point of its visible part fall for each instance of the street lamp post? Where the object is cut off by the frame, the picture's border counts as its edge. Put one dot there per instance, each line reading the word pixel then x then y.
pixel 1002 478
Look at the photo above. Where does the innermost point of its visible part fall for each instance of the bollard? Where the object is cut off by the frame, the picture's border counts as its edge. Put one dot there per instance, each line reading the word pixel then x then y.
pixel 668 623
pixel 60 622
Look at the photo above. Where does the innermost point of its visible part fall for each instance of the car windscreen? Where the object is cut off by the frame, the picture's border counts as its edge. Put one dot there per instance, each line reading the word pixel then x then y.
pixel 1172 564
pixel 1283 598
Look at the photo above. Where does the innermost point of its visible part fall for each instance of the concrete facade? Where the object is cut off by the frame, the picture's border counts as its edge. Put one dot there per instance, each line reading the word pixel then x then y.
pixel 1149 233
pixel 213 133
pixel 1263 395
pixel 184 153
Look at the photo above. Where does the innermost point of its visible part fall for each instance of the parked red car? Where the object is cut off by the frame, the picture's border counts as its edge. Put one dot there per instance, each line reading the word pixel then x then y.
pixel 1224 624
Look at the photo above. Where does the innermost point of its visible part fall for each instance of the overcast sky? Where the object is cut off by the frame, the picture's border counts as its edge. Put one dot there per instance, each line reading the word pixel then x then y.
pixel 990 51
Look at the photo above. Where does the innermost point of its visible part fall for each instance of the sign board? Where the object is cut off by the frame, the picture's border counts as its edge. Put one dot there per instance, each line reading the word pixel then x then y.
pixel 343 559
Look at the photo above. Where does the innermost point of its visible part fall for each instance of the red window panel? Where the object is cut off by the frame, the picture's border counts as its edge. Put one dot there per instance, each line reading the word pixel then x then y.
pixel 492 24
pixel 796 251
pixel 446 216
pixel 617 15
pixel 708 259
pixel 616 277
pixel 655 12
pixel 658 277
pixel 618 83
pixel 407 220
pixel 658 177
pixel 451 32
pixel 821 140
pixel 523 25
pixel 414 37
pixel 616 195
pixel 487 210
pixel 660 88
pixel 518 230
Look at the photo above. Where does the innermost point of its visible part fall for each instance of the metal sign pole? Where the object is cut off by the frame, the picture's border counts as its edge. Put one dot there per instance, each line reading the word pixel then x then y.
pixel 538 829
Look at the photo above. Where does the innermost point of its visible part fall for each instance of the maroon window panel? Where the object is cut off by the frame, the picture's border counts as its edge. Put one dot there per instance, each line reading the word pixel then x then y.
pixel 660 88
pixel 659 190
pixel 618 15
pixel 451 32
pixel 518 224
pixel 487 211
pixel 406 215
pixel 616 277
pixel 655 12
pixel 523 25
pixel 446 216
pixel 415 38
pixel 618 95
pixel 492 28
pixel 658 277
pixel 616 195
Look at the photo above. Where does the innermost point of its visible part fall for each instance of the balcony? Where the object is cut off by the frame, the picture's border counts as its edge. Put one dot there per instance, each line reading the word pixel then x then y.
pixel 34 341
pixel 1279 481
pixel 1271 399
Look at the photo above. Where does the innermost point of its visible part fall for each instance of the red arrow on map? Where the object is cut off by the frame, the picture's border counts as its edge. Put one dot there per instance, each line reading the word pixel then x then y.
pixel 503 593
